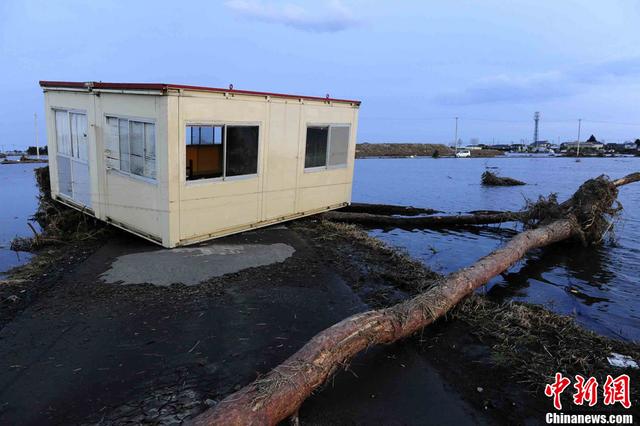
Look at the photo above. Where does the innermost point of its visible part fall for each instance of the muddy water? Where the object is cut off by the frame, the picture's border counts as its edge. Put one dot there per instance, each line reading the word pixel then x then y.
pixel 18 201
pixel 599 286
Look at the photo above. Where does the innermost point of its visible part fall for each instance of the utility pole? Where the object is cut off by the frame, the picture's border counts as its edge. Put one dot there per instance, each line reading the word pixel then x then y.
pixel 536 119
pixel 455 140
pixel 579 126
pixel 35 125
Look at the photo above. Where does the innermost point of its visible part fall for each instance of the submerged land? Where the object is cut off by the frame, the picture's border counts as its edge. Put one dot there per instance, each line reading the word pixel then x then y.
pixel 407 150
pixel 92 334
pixel 403 150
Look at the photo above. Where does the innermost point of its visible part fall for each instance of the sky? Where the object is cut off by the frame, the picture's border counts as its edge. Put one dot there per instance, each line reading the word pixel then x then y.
pixel 415 65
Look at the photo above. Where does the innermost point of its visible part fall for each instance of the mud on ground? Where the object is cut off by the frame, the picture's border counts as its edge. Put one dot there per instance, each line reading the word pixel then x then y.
pixel 86 351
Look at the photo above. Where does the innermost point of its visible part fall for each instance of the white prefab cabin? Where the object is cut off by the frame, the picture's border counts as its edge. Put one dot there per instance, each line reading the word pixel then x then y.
pixel 181 164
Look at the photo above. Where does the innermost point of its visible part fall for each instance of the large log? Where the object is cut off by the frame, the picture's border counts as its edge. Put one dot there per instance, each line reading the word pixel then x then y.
pixel 386 209
pixel 420 222
pixel 280 392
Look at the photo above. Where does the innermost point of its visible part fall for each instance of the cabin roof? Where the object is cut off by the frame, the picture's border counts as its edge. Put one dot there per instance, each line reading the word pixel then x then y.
pixel 163 87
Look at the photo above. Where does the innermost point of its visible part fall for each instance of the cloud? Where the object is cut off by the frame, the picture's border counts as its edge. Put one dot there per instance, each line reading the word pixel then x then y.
pixel 334 17
pixel 543 86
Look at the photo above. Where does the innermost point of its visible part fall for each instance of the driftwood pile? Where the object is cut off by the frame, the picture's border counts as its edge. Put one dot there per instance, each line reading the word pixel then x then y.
pixel 491 179
pixel 584 217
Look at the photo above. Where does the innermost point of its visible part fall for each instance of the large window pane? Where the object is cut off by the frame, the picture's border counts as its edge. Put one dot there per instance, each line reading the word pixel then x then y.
pixel 204 160
pixel 218 134
pixel 79 136
pixel 338 145
pixel 112 145
pixel 150 150
pixel 242 150
pixel 206 135
pixel 123 133
pixel 136 147
pixel 316 147
pixel 63 139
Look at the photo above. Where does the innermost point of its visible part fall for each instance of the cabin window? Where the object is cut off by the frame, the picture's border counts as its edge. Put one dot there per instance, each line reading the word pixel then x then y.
pixel 326 146
pixel 71 134
pixel 131 146
pixel 220 151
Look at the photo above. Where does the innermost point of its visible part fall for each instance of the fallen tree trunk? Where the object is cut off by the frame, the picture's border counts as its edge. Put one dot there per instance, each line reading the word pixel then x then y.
pixel 280 392
pixel 386 209
pixel 436 221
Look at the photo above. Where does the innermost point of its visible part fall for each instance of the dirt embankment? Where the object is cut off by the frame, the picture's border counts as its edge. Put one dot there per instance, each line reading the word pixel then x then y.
pixel 401 150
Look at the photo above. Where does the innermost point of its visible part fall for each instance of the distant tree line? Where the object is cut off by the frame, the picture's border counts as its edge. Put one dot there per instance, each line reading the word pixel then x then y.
pixel 33 151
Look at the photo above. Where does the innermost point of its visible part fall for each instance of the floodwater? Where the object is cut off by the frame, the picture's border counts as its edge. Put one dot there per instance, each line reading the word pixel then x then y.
pixel 18 202
pixel 599 286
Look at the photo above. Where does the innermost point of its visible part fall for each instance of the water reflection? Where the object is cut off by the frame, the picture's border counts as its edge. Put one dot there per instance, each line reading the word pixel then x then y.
pixel 19 201
pixel 596 285
pixel 579 270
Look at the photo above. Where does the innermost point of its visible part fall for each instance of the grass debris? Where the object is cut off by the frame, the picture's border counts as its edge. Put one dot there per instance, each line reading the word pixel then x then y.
pixel 59 224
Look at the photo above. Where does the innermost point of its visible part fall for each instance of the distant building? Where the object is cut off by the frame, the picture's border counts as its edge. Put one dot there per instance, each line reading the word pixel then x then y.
pixel 518 147
pixel 539 146
pixel 474 147
pixel 591 146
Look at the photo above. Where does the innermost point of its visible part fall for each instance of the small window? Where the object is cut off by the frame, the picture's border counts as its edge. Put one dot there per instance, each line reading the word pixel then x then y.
pixel 131 146
pixel 221 151
pixel 316 150
pixel 242 150
pixel 327 146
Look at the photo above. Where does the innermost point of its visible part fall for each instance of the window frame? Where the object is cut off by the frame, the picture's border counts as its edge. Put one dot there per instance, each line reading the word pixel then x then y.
pixel 129 118
pixel 326 166
pixel 223 178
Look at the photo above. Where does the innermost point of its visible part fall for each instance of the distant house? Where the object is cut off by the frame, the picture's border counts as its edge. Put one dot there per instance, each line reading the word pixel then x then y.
pixel 539 146
pixel 614 147
pixel 518 147
pixel 474 147
pixel 591 146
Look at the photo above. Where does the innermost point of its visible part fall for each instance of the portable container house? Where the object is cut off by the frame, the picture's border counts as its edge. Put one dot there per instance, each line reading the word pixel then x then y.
pixel 181 164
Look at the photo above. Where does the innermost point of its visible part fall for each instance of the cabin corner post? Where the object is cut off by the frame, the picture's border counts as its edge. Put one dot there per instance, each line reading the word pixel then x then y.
pixel 51 144
pixel 172 178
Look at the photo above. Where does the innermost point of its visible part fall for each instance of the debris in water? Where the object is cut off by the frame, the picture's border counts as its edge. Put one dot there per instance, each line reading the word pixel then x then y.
pixel 491 179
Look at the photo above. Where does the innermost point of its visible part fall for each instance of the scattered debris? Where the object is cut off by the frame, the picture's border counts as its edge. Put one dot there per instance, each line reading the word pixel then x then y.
pixel 24 159
pixel 60 224
pixel 491 179
pixel 621 361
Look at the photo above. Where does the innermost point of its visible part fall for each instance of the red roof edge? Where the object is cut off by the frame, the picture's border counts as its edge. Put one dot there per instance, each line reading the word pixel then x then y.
pixel 163 87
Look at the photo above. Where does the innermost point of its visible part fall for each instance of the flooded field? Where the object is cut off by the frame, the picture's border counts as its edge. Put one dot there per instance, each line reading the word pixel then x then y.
pixel 599 286
pixel 18 201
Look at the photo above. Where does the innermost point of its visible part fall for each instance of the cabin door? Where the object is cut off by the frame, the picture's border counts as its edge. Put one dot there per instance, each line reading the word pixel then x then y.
pixel 74 180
